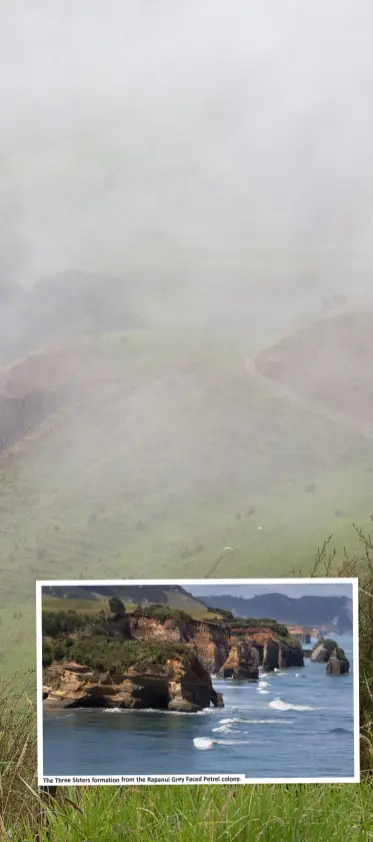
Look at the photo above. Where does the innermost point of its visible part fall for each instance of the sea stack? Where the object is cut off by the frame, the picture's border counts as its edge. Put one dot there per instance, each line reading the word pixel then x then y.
pixel 329 653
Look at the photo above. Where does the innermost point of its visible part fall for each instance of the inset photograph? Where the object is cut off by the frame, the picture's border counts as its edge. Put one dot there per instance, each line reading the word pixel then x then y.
pixel 199 677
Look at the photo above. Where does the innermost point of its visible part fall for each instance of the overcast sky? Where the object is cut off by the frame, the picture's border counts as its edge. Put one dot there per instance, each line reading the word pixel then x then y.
pixel 295 591
pixel 192 134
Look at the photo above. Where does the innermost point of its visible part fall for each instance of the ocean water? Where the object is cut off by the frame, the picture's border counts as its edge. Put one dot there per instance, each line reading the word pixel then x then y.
pixel 292 723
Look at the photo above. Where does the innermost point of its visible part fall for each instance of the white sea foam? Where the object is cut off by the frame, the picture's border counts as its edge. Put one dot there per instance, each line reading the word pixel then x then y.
pixel 268 721
pixel 113 710
pixel 255 721
pixel 203 743
pixel 226 729
pixel 278 704
pixel 263 692
pixel 203 712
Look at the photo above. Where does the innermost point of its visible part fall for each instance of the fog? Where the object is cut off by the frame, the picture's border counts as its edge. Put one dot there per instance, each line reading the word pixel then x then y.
pixel 170 168
pixel 207 154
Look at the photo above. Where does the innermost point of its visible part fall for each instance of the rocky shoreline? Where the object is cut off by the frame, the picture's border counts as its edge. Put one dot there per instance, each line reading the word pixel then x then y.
pixel 155 658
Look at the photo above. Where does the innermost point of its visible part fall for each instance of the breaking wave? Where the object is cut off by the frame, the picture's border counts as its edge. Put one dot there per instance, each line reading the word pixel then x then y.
pixel 226 729
pixel 204 743
pixel 237 719
pixel 278 704
pixel 156 710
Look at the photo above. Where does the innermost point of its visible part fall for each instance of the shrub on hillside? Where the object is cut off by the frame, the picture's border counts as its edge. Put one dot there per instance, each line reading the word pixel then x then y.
pixel 61 623
pixel 162 613
pixel 114 655
pixel 251 622
pixel 222 612
pixel 116 606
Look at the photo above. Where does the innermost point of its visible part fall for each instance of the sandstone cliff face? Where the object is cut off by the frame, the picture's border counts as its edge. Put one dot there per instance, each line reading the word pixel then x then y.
pixel 299 633
pixel 273 653
pixel 147 628
pixel 212 645
pixel 178 686
pixel 183 682
pixel 290 657
pixel 242 661
pixel 210 640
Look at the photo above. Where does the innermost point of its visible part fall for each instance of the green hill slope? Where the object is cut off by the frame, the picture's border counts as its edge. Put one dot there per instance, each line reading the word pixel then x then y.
pixel 330 363
pixel 91 599
pixel 161 455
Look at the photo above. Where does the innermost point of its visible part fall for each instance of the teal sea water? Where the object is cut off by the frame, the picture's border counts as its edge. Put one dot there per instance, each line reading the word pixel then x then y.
pixel 293 723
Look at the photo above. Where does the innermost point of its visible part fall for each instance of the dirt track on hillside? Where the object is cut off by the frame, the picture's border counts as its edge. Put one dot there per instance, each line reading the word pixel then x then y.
pixel 362 429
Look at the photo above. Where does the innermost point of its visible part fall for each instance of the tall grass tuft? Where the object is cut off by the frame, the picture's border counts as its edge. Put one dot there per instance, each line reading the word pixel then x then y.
pixel 17 750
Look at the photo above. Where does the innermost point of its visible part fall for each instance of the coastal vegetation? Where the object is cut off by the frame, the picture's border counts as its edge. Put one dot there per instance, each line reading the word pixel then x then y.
pixel 249 623
pixel 163 613
pixel 115 656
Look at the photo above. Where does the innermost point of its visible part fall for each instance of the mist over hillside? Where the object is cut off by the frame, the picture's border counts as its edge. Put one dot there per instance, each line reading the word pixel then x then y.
pixel 335 354
pixel 62 308
pixel 217 163
pixel 186 201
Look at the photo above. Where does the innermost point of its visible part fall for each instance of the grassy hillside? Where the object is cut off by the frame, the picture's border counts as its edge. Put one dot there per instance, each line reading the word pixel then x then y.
pixel 174 600
pixel 162 455
pixel 329 363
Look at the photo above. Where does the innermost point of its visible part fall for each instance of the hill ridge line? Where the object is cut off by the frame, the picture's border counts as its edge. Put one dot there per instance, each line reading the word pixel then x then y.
pixel 343 421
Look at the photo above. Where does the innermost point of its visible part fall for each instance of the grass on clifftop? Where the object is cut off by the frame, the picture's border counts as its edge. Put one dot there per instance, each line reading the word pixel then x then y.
pixel 67 618
pixel 250 623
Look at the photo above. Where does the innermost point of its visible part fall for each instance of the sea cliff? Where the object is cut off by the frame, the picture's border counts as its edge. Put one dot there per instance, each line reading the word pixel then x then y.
pixel 155 657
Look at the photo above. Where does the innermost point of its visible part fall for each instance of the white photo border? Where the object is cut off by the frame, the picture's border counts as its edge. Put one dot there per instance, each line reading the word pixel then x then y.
pixel 147 780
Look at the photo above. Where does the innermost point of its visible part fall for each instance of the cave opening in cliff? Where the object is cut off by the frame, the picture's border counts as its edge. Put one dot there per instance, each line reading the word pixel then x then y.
pixel 156 697
pixel 152 693
pixel 87 702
